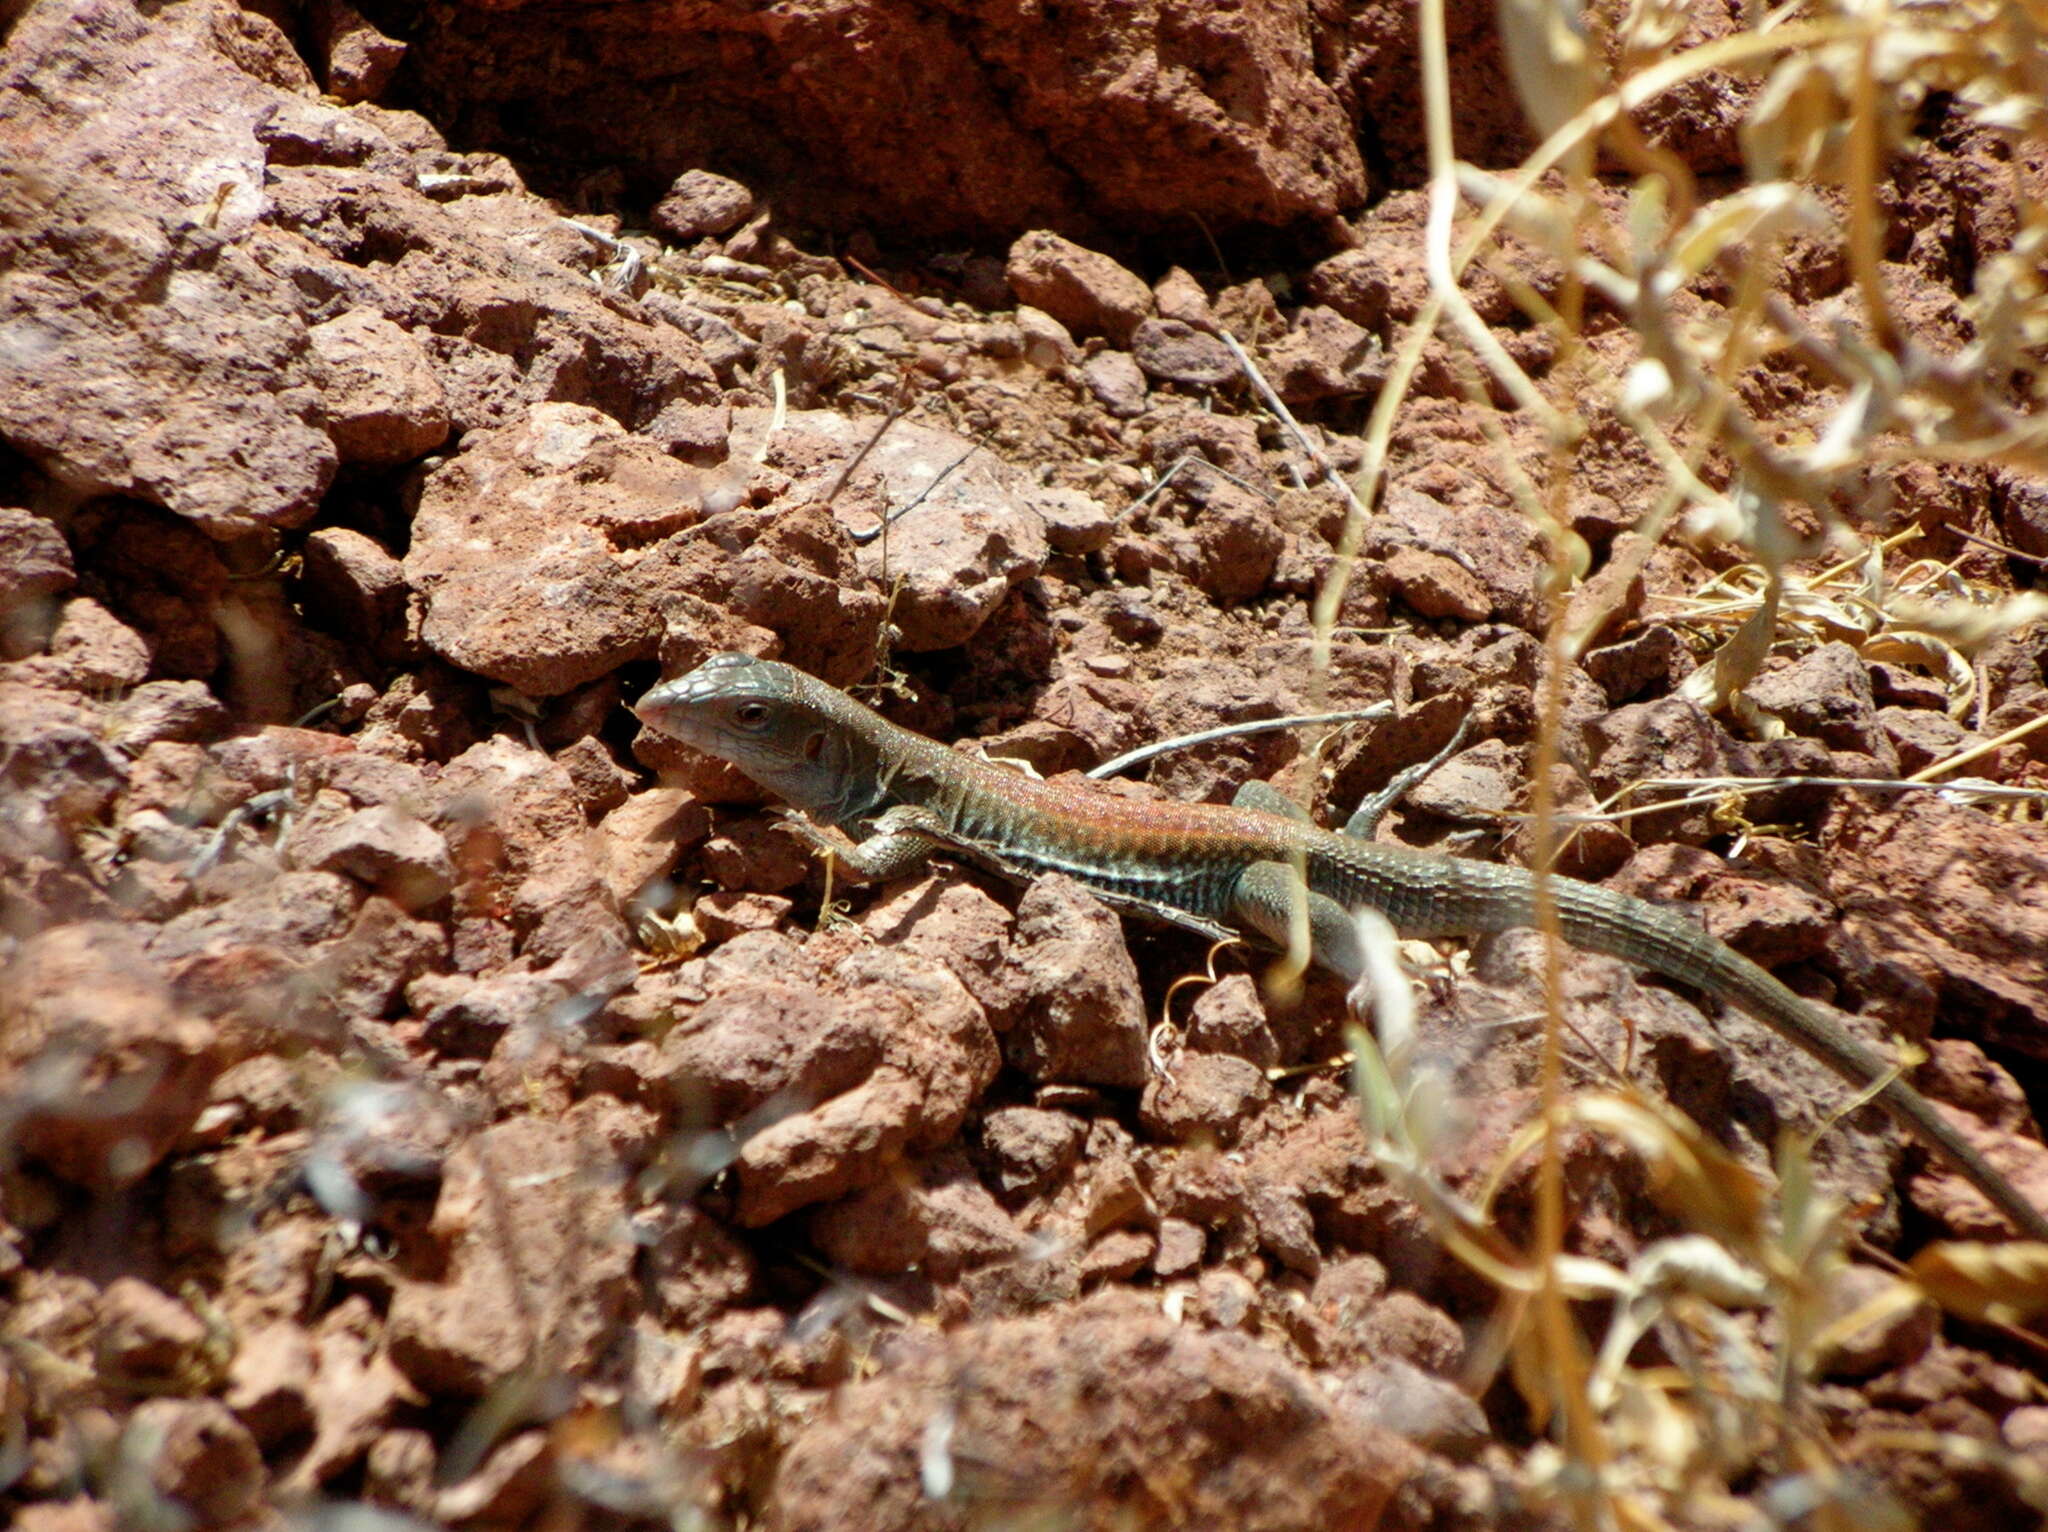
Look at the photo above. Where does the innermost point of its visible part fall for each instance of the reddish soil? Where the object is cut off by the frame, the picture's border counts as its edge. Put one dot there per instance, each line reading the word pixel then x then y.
pixel 420 1087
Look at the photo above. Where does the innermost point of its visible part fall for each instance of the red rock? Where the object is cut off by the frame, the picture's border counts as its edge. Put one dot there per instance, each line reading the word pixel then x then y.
pixel 1939 883
pixel 1285 1230
pixel 1119 1254
pixel 754 1040
pixel 824 1153
pixel 106 1069
pixel 1589 848
pixel 180 781
pixel 722 916
pixel 480 554
pixel 1082 1020
pixel 1949 1202
pixel 377 1139
pixel 1178 296
pixel 358 60
pixel 197 1455
pixel 1379 284
pixel 1896 1338
pixel 1495 546
pixel 755 855
pixel 379 398
pixel 399 1468
pixel 699 203
pixel 1767 918
pixel 1921 737
pixel 1116 382
pixel 1958 1071
pixel 1107 1188
pixel 1611 598
pixel 386 848
pixel 1322 356
pixel 1399 1397
pixel 1229 1018
pixel 2026 1429
pixel 1074 523
pixel 965 539
pixel 1825 694
pixel 158 711
pixel 1181 1247
pixel 1098 117
pixel 602 784
pixel 35 566
pixel 1031 1148
pixel 1214 1415
pixel 1230 546
pixel 505 1491
pixel 1483 783
pixel 1655 658
pixel 166 580
pixel 936 1056
pixel 468 1331
pixel 1048 344
pixel 1084 290
pixel 273 961
pixel 524 849
pixel 146 1338
pixel 276 1271
pixel 1206 1097
pixel 354 1390
pixel 788 573
pixel 464 1017
pixel 368 781
pixel 1225 1300
pixel 273 756
pixel 951 918
pixel 268 1380
pixel 79 1515
pixel 382 951
pixel 58 771
pixel 1231 442
pixel 891 1051
pixel 1675 738
pixel 261 1094
pixel 1404 1327
pixel 943 1219
pixel 1368 288
pixel 937 1036
pixel 1249 311
pixel 359 589
pixel 159 405
pixel 1176 351
pixel 1437 585
pixel 967 1228
pixel 698 1268
pixel 640 840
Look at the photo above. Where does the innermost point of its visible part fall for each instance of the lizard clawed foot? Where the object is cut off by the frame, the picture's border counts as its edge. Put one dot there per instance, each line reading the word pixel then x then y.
pixel 806 829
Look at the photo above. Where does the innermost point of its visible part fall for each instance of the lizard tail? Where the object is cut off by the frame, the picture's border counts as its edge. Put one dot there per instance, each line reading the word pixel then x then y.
pixel 1601 920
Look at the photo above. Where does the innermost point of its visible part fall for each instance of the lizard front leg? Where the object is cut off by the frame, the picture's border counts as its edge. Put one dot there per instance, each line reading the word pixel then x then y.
pixel 896 846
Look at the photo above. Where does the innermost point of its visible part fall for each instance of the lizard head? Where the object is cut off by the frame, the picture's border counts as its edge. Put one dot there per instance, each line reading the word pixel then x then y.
pixel 762 716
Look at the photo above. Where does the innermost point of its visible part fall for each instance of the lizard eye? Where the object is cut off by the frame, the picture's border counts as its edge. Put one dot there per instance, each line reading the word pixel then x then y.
pixel 750 715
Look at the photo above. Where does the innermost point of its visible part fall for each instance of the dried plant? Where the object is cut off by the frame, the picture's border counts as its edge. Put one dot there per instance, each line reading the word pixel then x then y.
pixel 1829 92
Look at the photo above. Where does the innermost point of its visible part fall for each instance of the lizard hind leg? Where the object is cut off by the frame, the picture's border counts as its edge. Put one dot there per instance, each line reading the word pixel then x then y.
pixel 1267 898
pixel 1366 817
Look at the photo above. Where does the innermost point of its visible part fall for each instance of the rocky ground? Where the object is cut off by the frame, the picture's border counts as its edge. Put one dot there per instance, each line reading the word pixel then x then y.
pixel 422 1088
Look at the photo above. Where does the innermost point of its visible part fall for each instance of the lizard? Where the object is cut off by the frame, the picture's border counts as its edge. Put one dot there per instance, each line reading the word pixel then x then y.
pixel 1245 869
